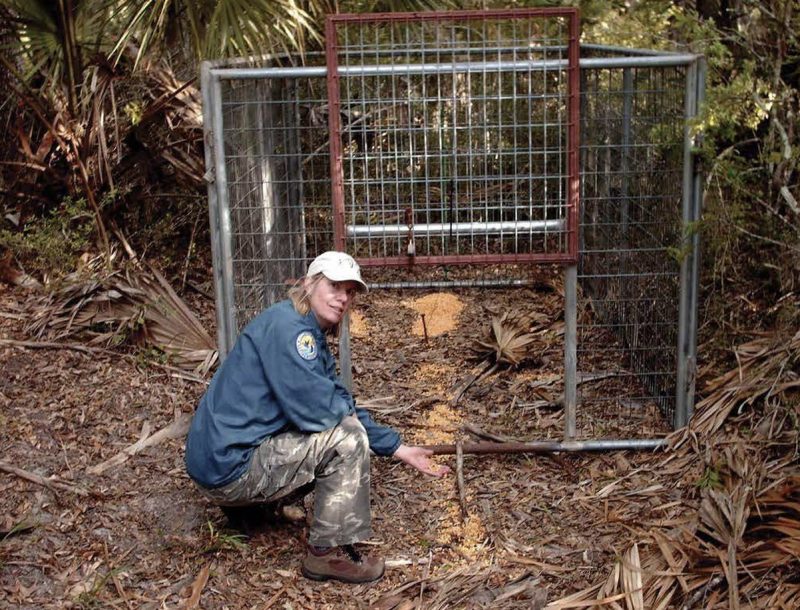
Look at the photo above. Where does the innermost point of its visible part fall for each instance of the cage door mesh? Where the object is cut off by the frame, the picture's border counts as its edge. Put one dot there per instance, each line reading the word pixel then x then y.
pixel 451 135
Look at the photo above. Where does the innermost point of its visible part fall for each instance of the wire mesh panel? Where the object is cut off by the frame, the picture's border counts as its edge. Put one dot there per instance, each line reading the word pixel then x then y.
pixel 633 156
pixel 274 185
pixel 454 135
pixel 634 292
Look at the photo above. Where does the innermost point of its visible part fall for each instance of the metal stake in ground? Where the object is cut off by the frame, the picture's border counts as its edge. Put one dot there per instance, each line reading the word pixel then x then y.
pixel 462 492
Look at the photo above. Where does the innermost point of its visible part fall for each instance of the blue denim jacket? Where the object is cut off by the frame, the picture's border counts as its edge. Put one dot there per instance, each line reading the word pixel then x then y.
pixel 280 375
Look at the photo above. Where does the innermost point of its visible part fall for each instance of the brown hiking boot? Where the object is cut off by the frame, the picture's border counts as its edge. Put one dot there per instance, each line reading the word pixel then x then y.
pixel 343 563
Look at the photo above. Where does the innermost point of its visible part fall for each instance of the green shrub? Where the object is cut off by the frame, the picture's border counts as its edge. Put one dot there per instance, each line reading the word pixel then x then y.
pixel 50 245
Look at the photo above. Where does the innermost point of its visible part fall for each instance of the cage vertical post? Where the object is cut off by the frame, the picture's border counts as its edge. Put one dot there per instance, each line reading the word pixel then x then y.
pixel 570 350
pixel 223 219
pixel 210 129
pixel 685 374
pixel 694 267
pixel 573 134
pixel 334 129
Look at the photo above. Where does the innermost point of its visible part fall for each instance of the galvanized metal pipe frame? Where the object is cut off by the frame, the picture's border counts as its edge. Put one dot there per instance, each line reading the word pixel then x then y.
pixel 219 209
pixel 570 351
pixel 690 269
pixel 456 228
pixel 694 275
pixel 566 446
pixel 219 213
pixel 585 63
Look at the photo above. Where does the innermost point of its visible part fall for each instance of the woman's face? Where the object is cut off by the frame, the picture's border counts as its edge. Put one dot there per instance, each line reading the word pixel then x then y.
pixel 329 300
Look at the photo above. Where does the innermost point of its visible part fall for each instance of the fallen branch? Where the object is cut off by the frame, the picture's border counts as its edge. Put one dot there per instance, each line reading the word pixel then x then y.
pixel 53 483
pixel 86 349
pixel 179 427
pixel 274 598
pixel 582 378
pixel 52 345
pixel 197 589
pixel 398 563
pixel 484 369
pixel 474 430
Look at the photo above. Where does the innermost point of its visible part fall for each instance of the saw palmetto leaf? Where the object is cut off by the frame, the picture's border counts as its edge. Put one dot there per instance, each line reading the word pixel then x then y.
pixel 507 343
pixel 138 306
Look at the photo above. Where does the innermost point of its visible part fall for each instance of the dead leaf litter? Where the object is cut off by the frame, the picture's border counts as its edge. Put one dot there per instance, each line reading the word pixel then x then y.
pixel 622 529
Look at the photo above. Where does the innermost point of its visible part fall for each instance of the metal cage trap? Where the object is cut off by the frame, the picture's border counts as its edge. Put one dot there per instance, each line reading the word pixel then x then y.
pixel 461 142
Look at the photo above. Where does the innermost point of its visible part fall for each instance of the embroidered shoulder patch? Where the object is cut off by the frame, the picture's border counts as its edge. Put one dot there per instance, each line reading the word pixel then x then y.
pixel 306 346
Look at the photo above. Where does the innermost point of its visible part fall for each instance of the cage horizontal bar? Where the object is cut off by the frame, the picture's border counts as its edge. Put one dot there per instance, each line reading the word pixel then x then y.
pixel 466 259
pixel 229 64
pixel 550 446
pixel 610 48
pixel 456 228
pixel 592 63
pixel 450 284
pixel 457 15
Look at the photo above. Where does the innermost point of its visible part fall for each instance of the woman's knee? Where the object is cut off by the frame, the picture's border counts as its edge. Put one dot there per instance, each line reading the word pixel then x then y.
pixel 353 437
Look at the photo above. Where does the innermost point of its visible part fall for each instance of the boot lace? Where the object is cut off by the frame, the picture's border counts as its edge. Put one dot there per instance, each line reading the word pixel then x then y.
pixel 352 553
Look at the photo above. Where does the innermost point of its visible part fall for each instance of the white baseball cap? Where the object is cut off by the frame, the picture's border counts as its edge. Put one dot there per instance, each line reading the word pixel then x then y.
pixel 337 267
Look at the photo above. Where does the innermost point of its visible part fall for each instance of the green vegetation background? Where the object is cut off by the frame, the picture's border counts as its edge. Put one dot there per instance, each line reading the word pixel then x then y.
pixel 101 137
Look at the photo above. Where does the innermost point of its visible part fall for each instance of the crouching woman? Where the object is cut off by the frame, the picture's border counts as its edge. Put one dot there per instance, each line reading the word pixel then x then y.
pixel 276 419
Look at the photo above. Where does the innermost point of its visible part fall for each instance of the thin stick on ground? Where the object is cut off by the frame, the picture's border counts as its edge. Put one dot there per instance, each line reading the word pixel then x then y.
pixel 176 429
pixel 462 492
pixel 86 349
pixel 53 483
pixel 473 429
pixel 197 589
pixel 484 369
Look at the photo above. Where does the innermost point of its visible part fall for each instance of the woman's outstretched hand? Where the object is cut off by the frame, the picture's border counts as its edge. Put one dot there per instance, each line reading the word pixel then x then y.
pixel 419 458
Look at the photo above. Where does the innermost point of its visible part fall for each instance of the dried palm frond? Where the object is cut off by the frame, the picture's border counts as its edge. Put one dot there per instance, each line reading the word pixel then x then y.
pixel 734 547
pixel 776 533
pixel 506 343
pixel 109 308
pixel 766 369
pixel 527 321
pixel 179 103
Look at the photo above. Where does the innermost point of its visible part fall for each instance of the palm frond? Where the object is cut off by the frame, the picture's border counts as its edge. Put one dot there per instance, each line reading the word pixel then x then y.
pixel 138 306
pixel 506 342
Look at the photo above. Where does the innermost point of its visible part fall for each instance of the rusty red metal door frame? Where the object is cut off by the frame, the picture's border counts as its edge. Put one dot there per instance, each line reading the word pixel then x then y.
pixel 571 17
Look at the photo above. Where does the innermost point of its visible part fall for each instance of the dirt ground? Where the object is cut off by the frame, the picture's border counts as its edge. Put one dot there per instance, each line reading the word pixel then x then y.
pixel 138 535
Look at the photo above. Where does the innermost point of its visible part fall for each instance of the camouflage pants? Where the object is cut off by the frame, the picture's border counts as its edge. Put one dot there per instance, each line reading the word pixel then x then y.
pixel 336 461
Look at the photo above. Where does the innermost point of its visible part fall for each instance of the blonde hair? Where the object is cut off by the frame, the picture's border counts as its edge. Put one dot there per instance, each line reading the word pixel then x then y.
pixel 300 294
